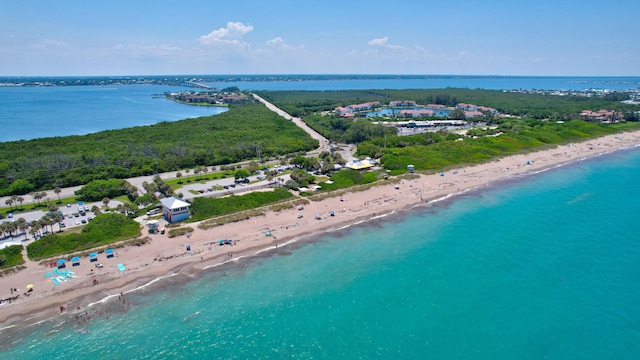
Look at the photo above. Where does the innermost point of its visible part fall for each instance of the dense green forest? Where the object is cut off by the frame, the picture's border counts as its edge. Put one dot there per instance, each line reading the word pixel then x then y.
pixel 236 135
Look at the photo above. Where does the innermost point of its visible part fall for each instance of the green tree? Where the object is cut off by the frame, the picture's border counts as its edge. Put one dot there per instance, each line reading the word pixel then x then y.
pixel 241 174
pixel 106 201
pixel 20 187
pixel 57 190
pixel 457 114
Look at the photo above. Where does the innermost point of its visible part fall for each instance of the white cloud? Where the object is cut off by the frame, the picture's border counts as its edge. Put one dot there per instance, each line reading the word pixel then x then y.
pixel 279 44
pixel 381 41
pixel 231 35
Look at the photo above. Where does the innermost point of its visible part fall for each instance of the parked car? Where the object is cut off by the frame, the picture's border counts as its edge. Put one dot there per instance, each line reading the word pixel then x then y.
pixel 68 205
pixel 201 191
pixel 83 221
pixel 77 222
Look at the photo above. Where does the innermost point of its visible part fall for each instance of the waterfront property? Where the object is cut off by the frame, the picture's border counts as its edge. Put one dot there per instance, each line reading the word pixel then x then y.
pixel 174 209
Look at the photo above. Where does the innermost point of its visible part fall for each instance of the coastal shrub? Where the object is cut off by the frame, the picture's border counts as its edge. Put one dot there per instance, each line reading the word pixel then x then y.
pixel 97 190
pixel 205 207
pixel 11 256
pixel 179 231
pixel 347 178
pixel 103 229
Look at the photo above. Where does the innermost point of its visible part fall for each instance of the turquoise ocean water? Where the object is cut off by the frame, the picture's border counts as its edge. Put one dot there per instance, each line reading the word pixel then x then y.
pixel 536 267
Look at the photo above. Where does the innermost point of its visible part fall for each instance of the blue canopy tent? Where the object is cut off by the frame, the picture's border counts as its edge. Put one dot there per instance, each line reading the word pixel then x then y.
pixel 109 253
pixel 93 257
pixel 75 261
pixel 61 263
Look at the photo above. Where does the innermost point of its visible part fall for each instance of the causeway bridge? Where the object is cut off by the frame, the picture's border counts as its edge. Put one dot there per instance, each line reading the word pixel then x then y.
pixel 196 85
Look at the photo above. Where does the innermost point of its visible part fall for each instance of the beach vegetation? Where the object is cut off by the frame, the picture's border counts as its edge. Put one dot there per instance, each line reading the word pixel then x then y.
pixel 204 207
pixel 11 256
pixel 102 230
pixel 97 190
pixel 347 178
pixel 179 231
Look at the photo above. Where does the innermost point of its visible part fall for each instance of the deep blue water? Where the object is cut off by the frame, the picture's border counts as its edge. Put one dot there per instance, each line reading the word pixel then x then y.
pixel 540 267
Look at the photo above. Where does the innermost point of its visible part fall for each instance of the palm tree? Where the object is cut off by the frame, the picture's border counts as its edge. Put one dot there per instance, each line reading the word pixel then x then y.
pixel 23 226
pixel 95 210
pixel 205 171
pixel 187 172
pixel 20 199
pixel 120 208
pixel 33 231
pixel 179 175
pixel 14 199
pixel 127 207
pixel 9 202
pixel 57 190
pixel 105 201
pixel 196 171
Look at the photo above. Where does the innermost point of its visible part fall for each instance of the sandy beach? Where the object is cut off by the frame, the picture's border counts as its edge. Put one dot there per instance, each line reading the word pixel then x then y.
pixel 164 256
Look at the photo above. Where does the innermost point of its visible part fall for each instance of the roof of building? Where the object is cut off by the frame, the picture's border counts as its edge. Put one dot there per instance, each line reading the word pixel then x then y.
pixel 173 203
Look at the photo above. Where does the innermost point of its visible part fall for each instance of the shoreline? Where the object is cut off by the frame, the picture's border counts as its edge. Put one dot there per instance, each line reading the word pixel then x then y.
pixel 144 267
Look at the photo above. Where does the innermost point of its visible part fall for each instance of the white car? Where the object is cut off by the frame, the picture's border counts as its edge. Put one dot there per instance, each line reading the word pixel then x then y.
pixel 77 222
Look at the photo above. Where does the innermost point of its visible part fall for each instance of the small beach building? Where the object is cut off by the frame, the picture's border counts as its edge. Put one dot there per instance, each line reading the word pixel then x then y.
pixel 153 226
pixel 174 209
pixel 365 164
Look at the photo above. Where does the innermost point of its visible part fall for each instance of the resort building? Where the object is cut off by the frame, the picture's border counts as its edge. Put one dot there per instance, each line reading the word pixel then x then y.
pixel 470 114
pixel 402 103
pixel 467 107
pixel 485 109
pixel 350 109
pixel 600 115
pixel 416 113
pixel 436 106
pixel 174 209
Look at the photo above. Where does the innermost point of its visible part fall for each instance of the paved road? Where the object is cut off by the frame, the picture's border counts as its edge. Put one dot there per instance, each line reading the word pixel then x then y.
pixel 324 142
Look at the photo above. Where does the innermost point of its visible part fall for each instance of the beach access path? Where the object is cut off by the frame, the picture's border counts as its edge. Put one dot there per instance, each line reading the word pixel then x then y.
pixel 271 231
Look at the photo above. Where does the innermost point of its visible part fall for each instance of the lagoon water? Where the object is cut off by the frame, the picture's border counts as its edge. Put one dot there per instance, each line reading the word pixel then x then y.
pixel 544 266
pixel 35 112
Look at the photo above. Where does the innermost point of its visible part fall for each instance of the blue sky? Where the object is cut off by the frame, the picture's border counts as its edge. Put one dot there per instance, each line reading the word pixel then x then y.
pixel 492 37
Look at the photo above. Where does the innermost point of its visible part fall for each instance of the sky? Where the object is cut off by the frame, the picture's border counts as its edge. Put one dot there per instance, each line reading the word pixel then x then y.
pixel 455 37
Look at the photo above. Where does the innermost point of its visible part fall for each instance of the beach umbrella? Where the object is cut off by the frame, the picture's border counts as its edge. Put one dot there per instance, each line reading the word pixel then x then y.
pixel 61 262
pixel 30 286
